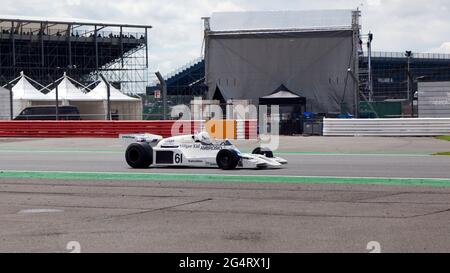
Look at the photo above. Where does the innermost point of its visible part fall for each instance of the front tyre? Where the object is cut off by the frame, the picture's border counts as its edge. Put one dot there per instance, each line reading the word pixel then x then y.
pixel 139 155
pixel 227 159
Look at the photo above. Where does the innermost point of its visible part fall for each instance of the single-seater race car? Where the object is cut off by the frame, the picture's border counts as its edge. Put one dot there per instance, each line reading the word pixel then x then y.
pixel 198 150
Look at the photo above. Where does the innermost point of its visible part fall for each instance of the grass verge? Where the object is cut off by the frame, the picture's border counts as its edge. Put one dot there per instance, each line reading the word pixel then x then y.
pixel 447 138
pixel 211 178
pixel 443 154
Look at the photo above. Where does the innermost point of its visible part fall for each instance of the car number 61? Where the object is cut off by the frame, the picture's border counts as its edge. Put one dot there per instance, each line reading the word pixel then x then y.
pixel 179 158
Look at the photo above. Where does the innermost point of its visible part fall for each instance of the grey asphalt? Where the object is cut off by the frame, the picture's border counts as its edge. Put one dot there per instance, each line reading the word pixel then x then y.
pixel 299 165
pixel 169 216
pixel 344 157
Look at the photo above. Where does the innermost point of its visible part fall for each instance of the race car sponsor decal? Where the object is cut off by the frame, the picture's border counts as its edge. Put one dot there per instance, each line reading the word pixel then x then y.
pixel 195 161
pixel 211 147
pixel 190 146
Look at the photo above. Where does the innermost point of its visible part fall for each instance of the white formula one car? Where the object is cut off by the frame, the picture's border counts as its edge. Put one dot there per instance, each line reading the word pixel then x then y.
pixel 197 150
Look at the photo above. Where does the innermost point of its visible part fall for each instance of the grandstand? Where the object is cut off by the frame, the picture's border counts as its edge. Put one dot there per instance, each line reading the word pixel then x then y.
pixel 390 72
pixel 46 48
pixel 184 83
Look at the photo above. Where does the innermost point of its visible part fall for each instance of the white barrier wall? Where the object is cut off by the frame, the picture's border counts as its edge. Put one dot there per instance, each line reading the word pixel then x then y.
pixel 240 129
pixel 4 104
pixel 387 127
pixel 434 99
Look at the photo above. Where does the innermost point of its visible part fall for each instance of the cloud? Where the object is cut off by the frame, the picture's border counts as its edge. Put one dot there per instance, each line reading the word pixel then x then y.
pixel 444 48
pixel 373 2
pixel 407 25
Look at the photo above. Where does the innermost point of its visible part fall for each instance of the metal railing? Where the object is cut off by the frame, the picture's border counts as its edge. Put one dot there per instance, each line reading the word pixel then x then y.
pixel 87 117
pixel 385 54
pixel 73 33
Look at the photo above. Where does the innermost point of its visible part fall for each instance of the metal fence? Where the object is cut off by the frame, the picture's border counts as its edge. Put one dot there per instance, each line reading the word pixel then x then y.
pixel 387 127
pixel 123 117
pixel 383 54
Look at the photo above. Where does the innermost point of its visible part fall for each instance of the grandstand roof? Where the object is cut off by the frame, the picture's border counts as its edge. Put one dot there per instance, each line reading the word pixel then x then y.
pixel 60 23
pixel 401 55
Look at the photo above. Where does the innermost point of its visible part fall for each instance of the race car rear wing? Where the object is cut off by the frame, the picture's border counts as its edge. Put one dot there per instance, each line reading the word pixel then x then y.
pixel 153 140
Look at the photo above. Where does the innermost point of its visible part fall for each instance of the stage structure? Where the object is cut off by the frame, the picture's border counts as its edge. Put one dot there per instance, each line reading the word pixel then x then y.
pixel 312 53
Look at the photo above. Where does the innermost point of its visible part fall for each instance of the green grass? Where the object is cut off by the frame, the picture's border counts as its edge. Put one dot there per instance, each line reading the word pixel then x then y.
pixel 443 153
pixel 447 138
pixel 218 178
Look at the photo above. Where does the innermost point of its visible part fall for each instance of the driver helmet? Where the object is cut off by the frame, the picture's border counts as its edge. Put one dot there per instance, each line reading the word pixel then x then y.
pixel 203 137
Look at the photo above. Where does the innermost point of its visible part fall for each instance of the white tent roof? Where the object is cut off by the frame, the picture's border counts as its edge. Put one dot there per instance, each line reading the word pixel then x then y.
pixel 282 94
pixel 115 95
pixel 68 91
pixel 23 90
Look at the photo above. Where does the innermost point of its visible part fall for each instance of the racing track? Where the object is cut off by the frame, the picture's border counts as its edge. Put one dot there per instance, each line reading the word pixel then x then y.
pixel 327 203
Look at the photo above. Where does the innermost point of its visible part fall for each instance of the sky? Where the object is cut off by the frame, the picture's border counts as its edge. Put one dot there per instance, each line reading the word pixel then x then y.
pixel 177 34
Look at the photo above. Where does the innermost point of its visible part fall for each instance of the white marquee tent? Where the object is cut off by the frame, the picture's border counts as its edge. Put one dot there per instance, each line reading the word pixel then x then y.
pixel 90 106
pixel 24 90
pixel 25 95
pixel 124 106
pixel 67 91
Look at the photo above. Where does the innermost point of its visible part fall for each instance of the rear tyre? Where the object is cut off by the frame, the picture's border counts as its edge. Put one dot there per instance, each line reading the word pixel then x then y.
pixel 139 155
pixel 227 159
pixel 263 151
